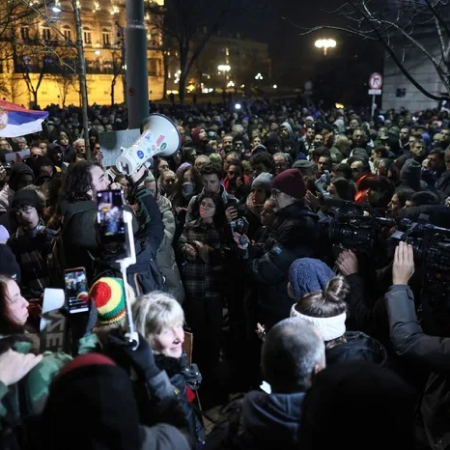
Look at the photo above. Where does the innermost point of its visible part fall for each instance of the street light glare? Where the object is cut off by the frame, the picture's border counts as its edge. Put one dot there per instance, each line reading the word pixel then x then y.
pixel 238 106
pixel 224 68
pixel 56 9
pixel 325 43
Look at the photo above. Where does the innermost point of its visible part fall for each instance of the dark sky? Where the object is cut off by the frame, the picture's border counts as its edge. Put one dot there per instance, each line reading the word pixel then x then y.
pixel 294 57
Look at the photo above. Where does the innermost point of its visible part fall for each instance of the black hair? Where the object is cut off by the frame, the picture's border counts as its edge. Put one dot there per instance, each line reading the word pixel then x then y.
pixel 345 188
pixel 219 214
pixel 212 169
pixel 263 158
pixel 404 195
pixel 424 198
pixel 78 181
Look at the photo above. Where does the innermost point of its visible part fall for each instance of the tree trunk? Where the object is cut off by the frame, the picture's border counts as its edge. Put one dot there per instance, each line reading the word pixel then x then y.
pixel 182 88
pixel 113 84
pixel 166 76
pixel 35 98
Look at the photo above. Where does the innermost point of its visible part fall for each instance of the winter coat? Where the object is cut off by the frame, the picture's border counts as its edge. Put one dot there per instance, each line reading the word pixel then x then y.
pixel 443 184
pixel 358 347
pixel 165 258
pixel 202 279
pixel 294 236
pixel 186 380
pixel 82 247
pixel 432 352
pixel 31 254
pixel 35 385
pixel 260 421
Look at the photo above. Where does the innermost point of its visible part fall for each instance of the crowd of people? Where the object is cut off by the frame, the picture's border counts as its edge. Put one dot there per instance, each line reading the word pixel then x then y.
pixel 236 282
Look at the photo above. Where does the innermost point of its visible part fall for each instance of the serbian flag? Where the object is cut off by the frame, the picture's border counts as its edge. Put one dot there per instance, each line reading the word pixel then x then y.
pixel 17 121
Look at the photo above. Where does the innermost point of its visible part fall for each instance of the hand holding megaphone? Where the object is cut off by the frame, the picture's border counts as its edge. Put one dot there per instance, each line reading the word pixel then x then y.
pixel 160 137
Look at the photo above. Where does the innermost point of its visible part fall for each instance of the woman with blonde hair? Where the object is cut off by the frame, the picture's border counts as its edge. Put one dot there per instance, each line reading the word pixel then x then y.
pixel 160 319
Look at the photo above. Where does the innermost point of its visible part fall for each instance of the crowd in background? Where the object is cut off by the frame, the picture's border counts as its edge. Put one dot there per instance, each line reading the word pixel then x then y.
pixel 230 246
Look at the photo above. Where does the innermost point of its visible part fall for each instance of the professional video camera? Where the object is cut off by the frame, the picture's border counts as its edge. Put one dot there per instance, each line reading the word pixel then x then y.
pixel 351 229
pixel 431 246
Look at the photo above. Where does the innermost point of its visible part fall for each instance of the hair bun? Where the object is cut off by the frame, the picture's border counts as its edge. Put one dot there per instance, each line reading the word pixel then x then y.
pixel 336 289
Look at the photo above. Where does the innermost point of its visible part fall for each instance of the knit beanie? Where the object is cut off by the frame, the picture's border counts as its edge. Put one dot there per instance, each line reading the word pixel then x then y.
pixel 182 168
pixel 18 170
pixel 27 197
pixel 263 180
pixel 411 173
pixel 109 298
pixel 290 182
pixel 308 275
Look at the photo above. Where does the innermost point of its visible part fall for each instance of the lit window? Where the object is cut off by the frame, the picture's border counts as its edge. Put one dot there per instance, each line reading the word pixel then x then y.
pixel 46 34
pixel 87 36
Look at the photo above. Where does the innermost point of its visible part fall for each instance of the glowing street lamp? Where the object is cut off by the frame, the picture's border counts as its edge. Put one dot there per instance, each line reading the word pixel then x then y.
pixel 325 44
pixel 259 77
pixel 224 68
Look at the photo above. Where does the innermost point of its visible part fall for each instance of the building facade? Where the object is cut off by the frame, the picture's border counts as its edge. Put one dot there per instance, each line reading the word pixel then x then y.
pixel 227 61
pixel 39 62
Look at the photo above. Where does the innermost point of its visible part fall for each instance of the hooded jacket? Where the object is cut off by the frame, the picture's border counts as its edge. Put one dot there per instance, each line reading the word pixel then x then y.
pixel 261 421
pixel 18 170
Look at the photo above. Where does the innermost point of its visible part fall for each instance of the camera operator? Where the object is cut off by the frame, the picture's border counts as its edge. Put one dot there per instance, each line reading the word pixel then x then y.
pixel 294 236
pixel 433 352
pixel 79 209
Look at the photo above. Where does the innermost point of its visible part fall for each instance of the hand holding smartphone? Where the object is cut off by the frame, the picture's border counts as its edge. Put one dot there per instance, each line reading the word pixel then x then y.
pixel 76 290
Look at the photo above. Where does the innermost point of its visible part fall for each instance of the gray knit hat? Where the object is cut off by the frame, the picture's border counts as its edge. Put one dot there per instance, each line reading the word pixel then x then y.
pixel 263 180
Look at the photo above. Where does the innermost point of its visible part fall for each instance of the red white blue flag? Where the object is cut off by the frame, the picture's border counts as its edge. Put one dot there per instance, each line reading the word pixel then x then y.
pixel 18 121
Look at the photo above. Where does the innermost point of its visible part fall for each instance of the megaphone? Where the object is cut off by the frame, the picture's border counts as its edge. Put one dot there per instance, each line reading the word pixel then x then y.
pixel 159 137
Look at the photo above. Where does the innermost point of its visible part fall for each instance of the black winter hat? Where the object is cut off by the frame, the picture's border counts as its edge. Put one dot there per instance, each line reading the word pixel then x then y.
pixel 27 197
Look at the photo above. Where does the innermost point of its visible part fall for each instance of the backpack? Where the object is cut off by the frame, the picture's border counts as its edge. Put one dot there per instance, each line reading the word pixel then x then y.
pixel 56 259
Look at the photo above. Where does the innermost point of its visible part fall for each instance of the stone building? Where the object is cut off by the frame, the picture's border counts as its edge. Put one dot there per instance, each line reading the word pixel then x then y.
pixel 242 58
pixel 40 55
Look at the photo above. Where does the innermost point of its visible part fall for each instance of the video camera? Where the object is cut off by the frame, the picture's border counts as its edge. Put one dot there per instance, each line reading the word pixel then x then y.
pixel 351 229
pixel 431 245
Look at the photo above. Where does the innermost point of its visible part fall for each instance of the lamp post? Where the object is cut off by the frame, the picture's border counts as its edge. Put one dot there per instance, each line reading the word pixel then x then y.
pixel 325 44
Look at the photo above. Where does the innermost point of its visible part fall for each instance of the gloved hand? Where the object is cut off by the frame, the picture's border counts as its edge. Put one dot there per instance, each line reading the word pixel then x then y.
pixel 141 359
pixel 81 324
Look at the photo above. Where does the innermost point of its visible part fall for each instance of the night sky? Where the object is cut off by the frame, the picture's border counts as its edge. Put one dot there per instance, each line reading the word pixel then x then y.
pixel 342 76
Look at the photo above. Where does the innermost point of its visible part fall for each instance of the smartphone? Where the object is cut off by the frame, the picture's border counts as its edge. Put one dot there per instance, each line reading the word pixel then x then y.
pixel 110 219
pixel 75 282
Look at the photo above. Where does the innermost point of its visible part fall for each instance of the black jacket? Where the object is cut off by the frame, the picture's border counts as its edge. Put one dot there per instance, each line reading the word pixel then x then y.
pixel 294 236
pixel 443 183
pixel 82 247
pixel 433 352
pixel 358 347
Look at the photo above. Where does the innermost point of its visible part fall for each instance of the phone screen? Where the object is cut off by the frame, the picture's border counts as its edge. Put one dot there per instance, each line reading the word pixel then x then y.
pixel 75 281
pixel 110 216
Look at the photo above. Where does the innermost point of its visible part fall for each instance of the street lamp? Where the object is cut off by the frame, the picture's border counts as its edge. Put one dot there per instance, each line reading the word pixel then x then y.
pixel 325 44
pixel 259 77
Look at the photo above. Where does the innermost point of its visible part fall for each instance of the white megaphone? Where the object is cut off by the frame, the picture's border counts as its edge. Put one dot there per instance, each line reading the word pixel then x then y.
pixel 159 137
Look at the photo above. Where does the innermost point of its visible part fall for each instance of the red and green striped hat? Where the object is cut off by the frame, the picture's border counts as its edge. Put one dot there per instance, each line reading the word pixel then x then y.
pixel 109 298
